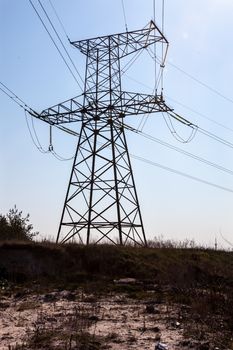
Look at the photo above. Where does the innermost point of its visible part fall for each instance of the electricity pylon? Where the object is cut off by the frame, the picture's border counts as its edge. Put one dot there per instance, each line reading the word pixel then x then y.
pixel 101 202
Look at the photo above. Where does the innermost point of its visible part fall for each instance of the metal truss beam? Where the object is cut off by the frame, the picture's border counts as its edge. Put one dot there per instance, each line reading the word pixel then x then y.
pixel 125 104
pixel 126 43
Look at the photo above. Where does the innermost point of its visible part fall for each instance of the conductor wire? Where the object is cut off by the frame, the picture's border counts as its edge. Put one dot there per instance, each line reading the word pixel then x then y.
pixel 124 14
pixel 59 19
pixel 71 60
pixel 63 58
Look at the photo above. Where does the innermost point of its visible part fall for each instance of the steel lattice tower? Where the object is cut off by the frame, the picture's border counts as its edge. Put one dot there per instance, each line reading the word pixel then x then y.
pixel 101 203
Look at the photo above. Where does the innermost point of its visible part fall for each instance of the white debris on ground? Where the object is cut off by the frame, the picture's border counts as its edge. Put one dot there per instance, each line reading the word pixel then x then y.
pixel 125 323
pixel 133 327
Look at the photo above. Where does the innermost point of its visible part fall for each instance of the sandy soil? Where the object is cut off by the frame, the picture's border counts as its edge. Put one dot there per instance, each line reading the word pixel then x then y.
pixel 127 324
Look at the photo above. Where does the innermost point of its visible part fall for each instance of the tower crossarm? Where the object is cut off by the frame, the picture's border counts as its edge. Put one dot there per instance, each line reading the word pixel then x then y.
pixel 127 43
pixel 65 112
pixel 136 103
pixel 123 104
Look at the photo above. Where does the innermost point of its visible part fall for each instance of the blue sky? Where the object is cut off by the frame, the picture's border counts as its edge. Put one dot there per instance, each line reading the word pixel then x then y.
pixel 200 36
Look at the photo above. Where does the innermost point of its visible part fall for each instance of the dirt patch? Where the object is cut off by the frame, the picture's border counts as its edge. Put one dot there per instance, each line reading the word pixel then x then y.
pixel 115 321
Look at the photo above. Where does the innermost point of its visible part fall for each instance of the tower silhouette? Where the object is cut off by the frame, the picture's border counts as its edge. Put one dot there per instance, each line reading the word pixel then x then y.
pixel 101 202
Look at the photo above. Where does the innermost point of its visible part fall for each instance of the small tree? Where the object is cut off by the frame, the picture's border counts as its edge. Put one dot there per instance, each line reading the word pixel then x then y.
pixel 14 226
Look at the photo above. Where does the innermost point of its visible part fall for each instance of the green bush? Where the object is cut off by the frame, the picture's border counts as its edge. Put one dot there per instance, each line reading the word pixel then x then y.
pixel 14 226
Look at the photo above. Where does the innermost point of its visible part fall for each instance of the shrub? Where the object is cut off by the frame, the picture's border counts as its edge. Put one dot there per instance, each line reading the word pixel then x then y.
pixel 14 226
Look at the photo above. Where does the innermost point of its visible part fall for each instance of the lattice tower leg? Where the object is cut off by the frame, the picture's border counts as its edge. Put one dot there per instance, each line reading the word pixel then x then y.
pixel 101 203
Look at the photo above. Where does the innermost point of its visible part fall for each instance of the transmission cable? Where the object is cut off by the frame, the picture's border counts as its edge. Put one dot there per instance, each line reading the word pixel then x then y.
pixel 60 40
pixel 163 56
pixel 204 131
pixel 38 146
pixel 183 105
pixel 36 136
pixel 199 113
pixel 59 20
pixel 215 137
pixel 180 150
pixel 160 62
pixel 174 133
pixel 201 83
pixel 138 157
pixel 228 242
pixel 155 72
pixel 59 51
pixel 230 172
pixel 60 158
pixel 174 170
pixel 200 130
pixel 11 97
pixel 198 80
pixel 51 149
pixel 215 91
pixel 170 169
pixel 144 118
pixel 124 15
pixel 154 10
pixel 182 173
pixel 128 65
pixel 15 98
pixel 27 109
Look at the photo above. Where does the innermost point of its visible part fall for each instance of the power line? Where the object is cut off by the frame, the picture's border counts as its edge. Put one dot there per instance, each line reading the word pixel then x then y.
pixel 60 158
pixel 39 147
pixel 59 19
pixel 215 91
pixel 182 173
pixel 155 54
pixel 124 14
pixel 14 97
pixel 228 242
pixel 11 97
pixel 204 131
pixel 200 114
pixel 23 105
pixel 215 137
pixel 157 164
pixel 201 83
pixel 159 141
pixel 154 10
pixel 12 93
pixel 183 105
pixel 59 38
pixel 163 56
pixel 128 65
pixel 27 108
pixel 163 15
pixel 35 139
pixel 200 130
pixel 37 144
pixel 59 51
pixel 181 151
pixel 153 163
pixel 174 133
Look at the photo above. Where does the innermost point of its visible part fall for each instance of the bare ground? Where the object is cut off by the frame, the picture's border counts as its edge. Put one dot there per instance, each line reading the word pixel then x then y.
pixel 119 323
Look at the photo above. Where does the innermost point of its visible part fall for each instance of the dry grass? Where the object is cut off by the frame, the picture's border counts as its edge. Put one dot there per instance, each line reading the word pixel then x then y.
pixel 199 279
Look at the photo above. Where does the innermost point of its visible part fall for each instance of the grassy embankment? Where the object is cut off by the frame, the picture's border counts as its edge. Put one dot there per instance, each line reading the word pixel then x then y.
pixel 200 279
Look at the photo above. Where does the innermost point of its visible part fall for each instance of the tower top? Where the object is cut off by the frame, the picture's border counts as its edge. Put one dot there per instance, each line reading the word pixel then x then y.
pixel 126 42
